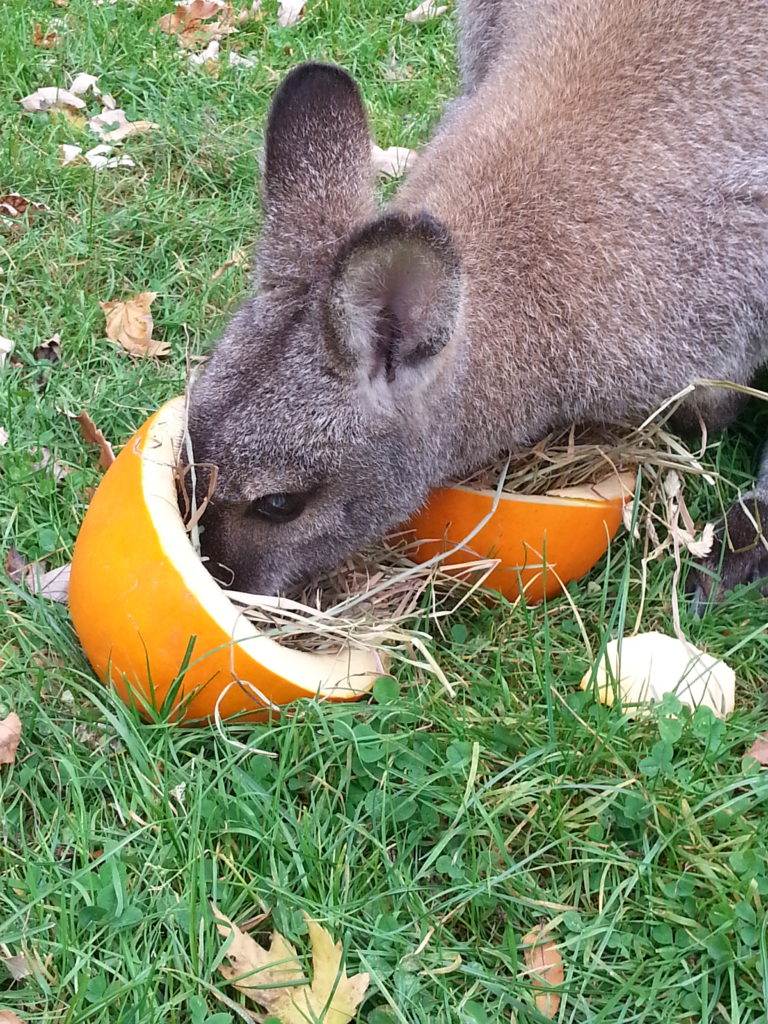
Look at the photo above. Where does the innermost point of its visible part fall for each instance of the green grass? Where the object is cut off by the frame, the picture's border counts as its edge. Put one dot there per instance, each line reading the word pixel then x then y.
pixel 408 823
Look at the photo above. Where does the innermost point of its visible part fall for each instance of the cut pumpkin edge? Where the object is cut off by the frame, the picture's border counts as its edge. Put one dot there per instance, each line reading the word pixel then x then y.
pixel 345 675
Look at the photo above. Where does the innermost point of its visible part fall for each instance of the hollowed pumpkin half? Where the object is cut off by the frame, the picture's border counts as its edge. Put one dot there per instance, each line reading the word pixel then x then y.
pixel 542 543
pixel 149 614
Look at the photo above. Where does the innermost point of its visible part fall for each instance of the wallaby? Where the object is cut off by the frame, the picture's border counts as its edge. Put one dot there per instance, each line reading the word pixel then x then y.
pixel 586 234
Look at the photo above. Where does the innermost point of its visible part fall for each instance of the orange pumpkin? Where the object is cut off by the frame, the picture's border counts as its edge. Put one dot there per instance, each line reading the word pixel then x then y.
pixel 141 598
pixel 156 625
pixel 542 543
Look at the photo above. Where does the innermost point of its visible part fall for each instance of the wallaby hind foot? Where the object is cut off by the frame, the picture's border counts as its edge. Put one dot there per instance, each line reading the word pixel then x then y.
pixel 740 553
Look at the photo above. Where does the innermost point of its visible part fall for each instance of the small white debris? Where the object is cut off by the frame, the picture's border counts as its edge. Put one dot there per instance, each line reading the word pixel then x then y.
pixel 236 61
pixel 394 161
pixel 82 83
pixel 211 52
pixel 113 126
pixel 69 153
pixel 425 11
pixel 289 12
pixel 6 347
pixel 100 158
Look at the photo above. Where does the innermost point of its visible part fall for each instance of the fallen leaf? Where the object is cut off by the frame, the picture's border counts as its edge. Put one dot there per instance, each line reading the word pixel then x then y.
pixel 393 161
pixel 6 347
pixel 14 205
pixel 45 460
pixel 425 11
pixel 49 98
pixel 44 40
pixel 644 667
pixel 69 153
pixel 83 83
pixel 23 965
pixel 130 325
pixel 61 3
pixel 14 564
pixel 3 437
pixel 10 735
pixel 191 24
pixel 9 1017
pixel 289 12
pixel 545 969
pixel 17 967
pixel 236 61
pixel 100 157
pixel 210 53
pixel 759 750
pixel 275 980
pixel 93 435
pixel 52 585
pixel 49 350
pixel 113 126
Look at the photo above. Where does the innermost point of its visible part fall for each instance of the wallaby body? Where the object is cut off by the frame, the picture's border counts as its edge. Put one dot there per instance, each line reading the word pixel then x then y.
pixel 586 234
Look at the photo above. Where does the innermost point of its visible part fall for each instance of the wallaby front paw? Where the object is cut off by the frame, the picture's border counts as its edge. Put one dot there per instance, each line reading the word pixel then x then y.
pixel 739 556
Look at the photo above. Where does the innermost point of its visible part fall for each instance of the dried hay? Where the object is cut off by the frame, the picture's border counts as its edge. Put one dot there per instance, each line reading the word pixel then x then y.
pixel 382 599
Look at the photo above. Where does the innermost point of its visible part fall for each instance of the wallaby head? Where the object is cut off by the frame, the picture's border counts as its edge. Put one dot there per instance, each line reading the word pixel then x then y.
pixel 312 405
pixel 585 235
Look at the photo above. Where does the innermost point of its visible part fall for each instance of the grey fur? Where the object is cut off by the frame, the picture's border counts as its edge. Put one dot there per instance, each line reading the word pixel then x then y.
pixel 585 235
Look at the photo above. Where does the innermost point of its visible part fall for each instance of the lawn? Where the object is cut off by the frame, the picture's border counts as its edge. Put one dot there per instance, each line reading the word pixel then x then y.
pixel 430 834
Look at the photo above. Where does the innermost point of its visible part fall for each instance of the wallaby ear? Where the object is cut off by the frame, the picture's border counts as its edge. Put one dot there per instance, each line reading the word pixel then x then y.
pixel 394 300
pixel 318 178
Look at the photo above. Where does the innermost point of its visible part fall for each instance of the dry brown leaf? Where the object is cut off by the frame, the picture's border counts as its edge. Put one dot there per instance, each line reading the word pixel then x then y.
pixel 425 11
pixel 10 735
pixel 759 750
pixel 93 435
pixel 290 996
pixel 289 12
pixel 14 205
pixel 14 564
pixel 113 126
pixel 130 325
pixel 544 967
pixel 48 350
pixel 50 98
pixel 44 40
pixel 9 1017
pixel 191 24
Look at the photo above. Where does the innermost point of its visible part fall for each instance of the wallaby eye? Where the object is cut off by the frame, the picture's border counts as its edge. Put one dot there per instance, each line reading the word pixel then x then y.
pixel 278 507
